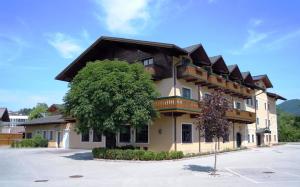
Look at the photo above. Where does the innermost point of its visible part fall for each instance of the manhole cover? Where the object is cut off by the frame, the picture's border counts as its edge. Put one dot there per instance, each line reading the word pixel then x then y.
pixel 41 180
pixel 75 176
pixel 268 172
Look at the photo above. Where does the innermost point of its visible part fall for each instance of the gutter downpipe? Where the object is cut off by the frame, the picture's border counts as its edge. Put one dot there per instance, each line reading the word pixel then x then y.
pixel 174 93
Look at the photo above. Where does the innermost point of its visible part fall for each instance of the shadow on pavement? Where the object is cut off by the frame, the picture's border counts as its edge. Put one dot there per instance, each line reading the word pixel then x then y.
pixel 81 156
pixel 198 168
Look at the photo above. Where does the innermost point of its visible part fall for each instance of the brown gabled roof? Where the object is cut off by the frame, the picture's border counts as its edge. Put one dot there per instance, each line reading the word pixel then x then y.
pixel 219 65
pixel 263 78
pixel 198 54
pixel 234 72
pixel 4 115
pixel 276 96
pixel 104 40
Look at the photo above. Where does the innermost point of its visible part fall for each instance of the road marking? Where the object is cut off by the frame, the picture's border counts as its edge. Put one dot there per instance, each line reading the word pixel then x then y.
pixel 242 176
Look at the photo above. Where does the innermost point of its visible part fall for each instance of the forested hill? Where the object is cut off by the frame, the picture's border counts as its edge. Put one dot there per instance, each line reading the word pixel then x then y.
pixel 290 106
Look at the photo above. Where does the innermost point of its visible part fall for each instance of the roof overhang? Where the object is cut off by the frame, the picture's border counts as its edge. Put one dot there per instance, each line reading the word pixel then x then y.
pixel 235 73
pixel 198 54
pixel 265 80
pixel 219 65
pixel 100 43
pixel 276 96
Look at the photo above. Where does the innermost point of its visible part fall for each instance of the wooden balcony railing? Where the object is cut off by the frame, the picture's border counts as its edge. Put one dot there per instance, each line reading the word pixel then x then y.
pixel 216 81
pixel 233 87
pixel 183 105
pixel 191 73
pixel 241 116
pixel 176 104
pixel 247 92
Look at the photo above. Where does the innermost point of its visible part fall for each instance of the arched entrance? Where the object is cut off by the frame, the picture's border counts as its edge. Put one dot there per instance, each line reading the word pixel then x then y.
pixel 238 139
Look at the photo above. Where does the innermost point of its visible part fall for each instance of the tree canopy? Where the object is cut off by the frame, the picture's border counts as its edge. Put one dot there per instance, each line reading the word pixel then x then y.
pixel 40 110
pixel 288 127
pixel 107 94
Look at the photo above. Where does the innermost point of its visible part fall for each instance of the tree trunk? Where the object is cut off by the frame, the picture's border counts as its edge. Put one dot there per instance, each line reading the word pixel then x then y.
pixel 215 165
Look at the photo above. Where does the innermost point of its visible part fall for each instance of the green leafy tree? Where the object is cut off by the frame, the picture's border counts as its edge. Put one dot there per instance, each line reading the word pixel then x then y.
pixel 25 111
pixel 107 94
pixel 212 119
pixel 40 110
pixel 288 127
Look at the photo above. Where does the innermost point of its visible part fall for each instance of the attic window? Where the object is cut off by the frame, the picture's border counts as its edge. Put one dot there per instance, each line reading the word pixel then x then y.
pixel 147 61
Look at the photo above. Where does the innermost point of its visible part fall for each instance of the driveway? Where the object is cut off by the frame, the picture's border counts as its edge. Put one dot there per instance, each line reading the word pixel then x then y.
pixel 276 166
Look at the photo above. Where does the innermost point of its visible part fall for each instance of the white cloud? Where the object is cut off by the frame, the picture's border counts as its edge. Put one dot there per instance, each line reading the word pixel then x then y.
pixel 256 22
pixel 64 44
pixel 254 38
pixel 127 17
pixel 280 41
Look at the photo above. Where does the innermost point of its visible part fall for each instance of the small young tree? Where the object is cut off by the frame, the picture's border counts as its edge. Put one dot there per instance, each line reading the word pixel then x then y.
pixel 212 120
pixel 107 94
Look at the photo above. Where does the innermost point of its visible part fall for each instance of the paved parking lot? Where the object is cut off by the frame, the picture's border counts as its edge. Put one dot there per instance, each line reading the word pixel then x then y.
pixel 276 166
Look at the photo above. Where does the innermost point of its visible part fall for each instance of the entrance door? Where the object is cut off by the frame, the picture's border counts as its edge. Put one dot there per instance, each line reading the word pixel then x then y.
pixel 58 139
pixel 238 139
pixel 110 140
pixel 258 139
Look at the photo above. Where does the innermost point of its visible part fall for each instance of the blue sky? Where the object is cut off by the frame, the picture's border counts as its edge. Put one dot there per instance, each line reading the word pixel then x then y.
pixel 38 39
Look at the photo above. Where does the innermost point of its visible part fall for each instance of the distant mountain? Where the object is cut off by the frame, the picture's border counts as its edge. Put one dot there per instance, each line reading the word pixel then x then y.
pixel 291 106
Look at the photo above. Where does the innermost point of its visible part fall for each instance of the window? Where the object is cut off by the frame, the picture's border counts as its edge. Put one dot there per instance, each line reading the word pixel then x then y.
pixel 265 106
pixel 50 135
pixel 257 121
pixel 97 135
pixel 147 61
pixel 125 133
pixel 269 106
pixel 256 103
pixel 186 133
pixel 270 138
pixel 251 102
pixel 252 137
pixel 28 135
pixel 238 105
pixel 269 122
pixel 45 135
pixel 85 136
pixel 186 93
pixel 249 138
pixel 141 135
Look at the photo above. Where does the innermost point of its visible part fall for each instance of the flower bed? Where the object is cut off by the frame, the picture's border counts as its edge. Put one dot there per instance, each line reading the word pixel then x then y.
pixel 135 154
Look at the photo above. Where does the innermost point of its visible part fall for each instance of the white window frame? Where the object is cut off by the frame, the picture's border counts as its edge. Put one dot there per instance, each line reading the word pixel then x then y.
pixel 183 123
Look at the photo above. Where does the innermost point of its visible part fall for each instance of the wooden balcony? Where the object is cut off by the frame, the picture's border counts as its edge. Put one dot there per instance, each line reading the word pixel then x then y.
pixel 216 81
pixel 241 116
pixel 247 92
pixel 233 88
pixel 155 70
pixel 191 73
pixel 176 104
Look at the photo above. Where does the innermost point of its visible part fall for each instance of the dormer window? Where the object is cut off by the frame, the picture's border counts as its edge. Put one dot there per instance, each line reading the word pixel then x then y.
pixel 147 61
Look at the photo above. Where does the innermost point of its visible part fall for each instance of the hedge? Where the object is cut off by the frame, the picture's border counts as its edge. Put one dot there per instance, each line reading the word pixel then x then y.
pixel 36 141
pixel 135 154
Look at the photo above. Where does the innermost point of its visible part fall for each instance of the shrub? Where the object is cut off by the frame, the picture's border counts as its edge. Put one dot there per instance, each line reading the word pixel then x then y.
pixel 176 154
pixel 130 154
pixel 37 141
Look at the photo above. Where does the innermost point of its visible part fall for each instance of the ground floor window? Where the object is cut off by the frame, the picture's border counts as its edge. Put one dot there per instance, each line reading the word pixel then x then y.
pixel 186 133
pixel 249 140
pixel 208 138
pixel 252 137
pixel 270 138
pixel 28 135
pixel 85 136
pixel 125 133
pixel 50 135
pixel 97 135
pixel 141 135
pixel 45 134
